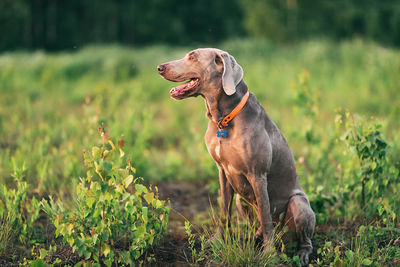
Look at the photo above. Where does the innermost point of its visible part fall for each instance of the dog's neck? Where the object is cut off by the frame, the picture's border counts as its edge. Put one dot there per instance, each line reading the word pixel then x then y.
pixel 221 105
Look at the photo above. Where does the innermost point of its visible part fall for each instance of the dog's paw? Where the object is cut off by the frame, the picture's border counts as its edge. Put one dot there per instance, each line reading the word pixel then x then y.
pixel 304 255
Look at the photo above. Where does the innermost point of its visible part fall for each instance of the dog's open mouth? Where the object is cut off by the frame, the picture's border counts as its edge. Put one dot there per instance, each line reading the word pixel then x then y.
pixel 185 89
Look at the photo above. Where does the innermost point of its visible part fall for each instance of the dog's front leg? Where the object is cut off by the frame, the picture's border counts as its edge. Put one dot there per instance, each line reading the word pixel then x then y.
pixel 260 188
pixel 226 197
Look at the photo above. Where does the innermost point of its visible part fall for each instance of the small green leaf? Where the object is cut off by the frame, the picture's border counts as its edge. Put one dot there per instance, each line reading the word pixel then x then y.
pixel 159 204
pixel 106 249
pixel 140 188
pixel 43 253
pixel 70 227
pixel 87 254
pixel 349 254
pixel 71 241
pixel 107 166
pixel 367 262
pixel 96 152
pixel 373 165
pixel 145 212
pixel 140 231
pixel 119 188
pixel 149 197
pixel 37 263
pixel 128 180
pixel 89 201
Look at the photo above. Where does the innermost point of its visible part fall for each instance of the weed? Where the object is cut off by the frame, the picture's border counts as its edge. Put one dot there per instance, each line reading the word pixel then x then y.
pixel 377 176
pixel 18 211
pixel 237 245
pixel 199 255
pixel 109 225
pixel 6 232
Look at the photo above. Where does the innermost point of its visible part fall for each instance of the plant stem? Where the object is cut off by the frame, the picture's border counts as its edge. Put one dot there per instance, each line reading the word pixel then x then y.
pixel 363 193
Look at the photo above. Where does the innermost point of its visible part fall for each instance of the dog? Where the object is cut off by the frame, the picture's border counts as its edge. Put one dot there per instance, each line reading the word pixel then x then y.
pixel 253 158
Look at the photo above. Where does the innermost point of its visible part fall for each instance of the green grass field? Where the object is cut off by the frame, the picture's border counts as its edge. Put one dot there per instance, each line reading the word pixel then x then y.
pixel 52 105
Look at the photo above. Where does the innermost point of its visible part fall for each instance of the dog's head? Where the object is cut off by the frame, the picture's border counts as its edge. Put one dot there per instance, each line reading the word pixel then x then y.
pixel 205 71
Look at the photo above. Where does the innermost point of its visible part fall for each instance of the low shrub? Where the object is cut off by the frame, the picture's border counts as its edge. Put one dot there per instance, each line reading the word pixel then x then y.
pixel 115 217
pixel 18 212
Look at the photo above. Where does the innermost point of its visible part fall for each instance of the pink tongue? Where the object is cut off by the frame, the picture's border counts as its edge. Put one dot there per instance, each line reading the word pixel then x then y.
pixel 181 87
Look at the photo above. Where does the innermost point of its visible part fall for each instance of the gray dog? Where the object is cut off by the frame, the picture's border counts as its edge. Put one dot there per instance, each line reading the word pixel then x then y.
pixel 253 158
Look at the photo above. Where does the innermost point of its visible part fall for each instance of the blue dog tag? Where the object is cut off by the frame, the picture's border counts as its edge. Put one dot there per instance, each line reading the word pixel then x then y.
pixel 222 133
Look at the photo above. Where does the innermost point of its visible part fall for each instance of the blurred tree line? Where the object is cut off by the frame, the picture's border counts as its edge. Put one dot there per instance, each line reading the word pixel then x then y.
pixel 60 24
pixel 284 20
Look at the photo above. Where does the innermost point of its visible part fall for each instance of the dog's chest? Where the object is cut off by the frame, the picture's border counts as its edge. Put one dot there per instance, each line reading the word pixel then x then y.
pixel 220 149
pixel 224 150
pixel 215 150
pixel 225 154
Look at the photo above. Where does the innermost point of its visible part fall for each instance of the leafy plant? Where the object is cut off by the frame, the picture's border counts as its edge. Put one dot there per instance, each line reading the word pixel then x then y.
pixel 115 218
pixel 5 232
pixel 377 175
pixel 42 255
pixel 197 255
pixel 358 253
pixel 314 162
pixel 364 249
pixel 307 99
pixel 18 211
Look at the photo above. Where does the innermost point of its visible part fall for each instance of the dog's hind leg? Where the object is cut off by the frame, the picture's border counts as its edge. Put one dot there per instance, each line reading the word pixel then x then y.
pixel 301 219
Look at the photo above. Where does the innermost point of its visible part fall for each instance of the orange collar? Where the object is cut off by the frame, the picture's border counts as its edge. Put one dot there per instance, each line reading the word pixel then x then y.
pixel 224 122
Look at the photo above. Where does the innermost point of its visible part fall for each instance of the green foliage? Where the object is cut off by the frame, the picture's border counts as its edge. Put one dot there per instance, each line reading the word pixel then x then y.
pixel 199 255
pixel 49 117
pixel 237 245
pixel 377 176
pixel 365 249
pixel 139 22
pixel 218 244
pixel 370 179
pixel 18 211
pixel 114 21
pixel 51 104
pixel 5 232
pixel 109 224
pixel 314 162
pixel 291 20
pixel 42 256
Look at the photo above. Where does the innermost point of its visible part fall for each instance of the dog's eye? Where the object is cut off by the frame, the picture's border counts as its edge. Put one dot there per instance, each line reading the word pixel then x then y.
pixel 192 57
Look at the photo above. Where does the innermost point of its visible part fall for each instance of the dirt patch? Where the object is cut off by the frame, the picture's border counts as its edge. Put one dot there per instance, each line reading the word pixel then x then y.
pixel 188 201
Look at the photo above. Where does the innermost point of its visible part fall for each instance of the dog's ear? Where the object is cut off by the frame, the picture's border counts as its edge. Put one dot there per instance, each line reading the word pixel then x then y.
pixel 233 73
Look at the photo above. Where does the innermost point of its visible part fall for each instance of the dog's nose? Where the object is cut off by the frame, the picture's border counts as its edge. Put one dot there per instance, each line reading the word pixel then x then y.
pixel 161 68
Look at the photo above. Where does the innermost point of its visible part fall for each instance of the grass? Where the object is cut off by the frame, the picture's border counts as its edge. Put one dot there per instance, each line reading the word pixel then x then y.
pixel 52 104
pixel 5 232
pixel 238 245
pixel 217 244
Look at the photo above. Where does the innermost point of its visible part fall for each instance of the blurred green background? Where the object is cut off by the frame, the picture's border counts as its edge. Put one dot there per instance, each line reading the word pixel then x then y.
pixel 58 24
pixel 52 105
